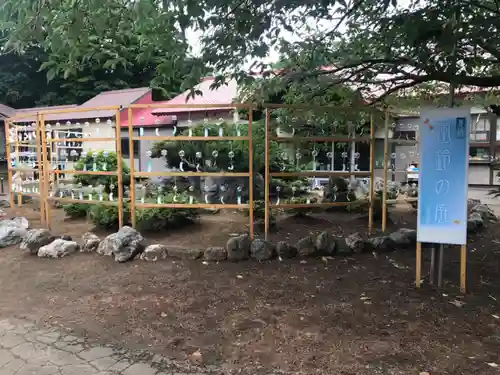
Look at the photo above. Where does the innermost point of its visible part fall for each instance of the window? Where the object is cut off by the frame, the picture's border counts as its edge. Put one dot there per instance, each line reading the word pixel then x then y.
pixel 480 129
pixel 479 154
pixel 126 148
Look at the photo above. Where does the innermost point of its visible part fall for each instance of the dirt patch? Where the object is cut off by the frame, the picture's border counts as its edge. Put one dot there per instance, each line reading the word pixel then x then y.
pixel 351 315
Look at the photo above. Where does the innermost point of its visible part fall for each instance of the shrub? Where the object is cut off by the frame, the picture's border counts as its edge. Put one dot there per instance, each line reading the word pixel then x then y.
pixel 154 219
pixel 106 217
pixel 76 210
pixel 147 219
pixel 302 211
pixel 105 161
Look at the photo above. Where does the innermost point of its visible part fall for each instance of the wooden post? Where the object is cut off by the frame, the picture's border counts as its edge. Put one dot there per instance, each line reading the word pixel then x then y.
pixel 132 167
pixel 463 268
pixel 266 177
pixel 46 175
pixel 372 174
pixel 418 265
pixel 386 159
pixel 19 194
pixel 250 171
pixel 119 161
pixel 9 165
pixel 39 155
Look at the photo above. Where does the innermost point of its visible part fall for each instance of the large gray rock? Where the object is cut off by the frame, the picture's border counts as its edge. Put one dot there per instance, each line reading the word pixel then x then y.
pixel 58 249
pixel 35 239
pixel 306 247
pixel 155 252
pixel 475 222
pixel 124 245
pixel 285 250
pixel 215 253
pixel 325 243
pixel 411 234
pixel 404 237
pixel 19 221
pixel 184 253
pixel 90 242
pixel 485 212
pixel 262 250
pixel 11 233
pixel 355 242
pixel 381 244
pixel 238 248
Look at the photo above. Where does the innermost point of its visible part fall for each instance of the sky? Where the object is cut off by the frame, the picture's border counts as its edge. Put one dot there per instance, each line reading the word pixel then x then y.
pixel 193 36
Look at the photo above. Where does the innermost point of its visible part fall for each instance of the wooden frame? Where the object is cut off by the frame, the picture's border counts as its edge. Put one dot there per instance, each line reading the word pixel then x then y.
pixel 133 174
pixel 16 143
pixel 45 172
pixel 388 141
pixel 268 175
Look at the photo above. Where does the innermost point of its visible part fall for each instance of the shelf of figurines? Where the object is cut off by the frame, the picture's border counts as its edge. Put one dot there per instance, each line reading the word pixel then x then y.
pixel 190 137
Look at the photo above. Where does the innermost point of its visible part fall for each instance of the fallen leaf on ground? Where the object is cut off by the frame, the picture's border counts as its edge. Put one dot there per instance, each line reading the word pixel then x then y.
pixel 457 303
pixel 495 316
pixel 492 364
pixel 303 262
pixel 239 277
pixel 205 263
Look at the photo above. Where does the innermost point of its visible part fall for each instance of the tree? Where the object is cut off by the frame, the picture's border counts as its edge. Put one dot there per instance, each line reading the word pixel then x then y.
pixel 90 46
pixel 378 47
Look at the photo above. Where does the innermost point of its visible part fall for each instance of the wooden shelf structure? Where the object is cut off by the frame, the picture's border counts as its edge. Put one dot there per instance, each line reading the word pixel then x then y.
pixel 134 205
pixel 293 139
pixel 37 124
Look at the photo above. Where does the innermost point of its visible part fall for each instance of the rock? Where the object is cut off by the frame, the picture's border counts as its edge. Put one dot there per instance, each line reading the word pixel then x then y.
pixel 238 248
pixel 11 233
pixel 285 250
pixel 306 247
pixel 215 253
pixel 124 245
pixel 58 249
pixel 411 234
pixel 90 242
pixel 475 222
pixel 196 357
pixel 355 242
pixel 485 212
pixel 325 243
pixel 404 237
pixel 155 252
pixel 67 238
pixel 184 253
pixel 35 239
pixel 262 250
pixel 382 243
pixel 399 239
pixel 472 226
pixel 21 221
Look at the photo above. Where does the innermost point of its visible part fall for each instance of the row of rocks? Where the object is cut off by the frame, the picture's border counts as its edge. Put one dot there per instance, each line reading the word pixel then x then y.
pixel 241 247
pixel 127 243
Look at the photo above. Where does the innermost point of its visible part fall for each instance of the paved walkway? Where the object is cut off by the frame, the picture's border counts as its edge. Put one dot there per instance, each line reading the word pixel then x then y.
pixel 26 349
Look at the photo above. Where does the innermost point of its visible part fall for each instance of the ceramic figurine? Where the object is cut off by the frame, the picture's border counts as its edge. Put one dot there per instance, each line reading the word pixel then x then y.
pixel 149 163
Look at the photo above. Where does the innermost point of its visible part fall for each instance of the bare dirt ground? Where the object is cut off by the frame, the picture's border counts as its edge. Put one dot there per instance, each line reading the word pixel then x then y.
pixel 351 315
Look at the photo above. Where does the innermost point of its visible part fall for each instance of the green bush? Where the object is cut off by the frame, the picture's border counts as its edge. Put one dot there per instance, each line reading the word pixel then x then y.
pixel 76 210
pixel 154 219
pixel 105 161
pixel 106 217
pixel 302 211
pixel 147 219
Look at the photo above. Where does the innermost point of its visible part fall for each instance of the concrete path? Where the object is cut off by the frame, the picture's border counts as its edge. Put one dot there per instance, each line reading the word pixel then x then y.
pixel 26 349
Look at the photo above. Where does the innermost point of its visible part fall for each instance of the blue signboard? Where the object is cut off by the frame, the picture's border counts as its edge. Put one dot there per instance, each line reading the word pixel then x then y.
pixel 443 182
